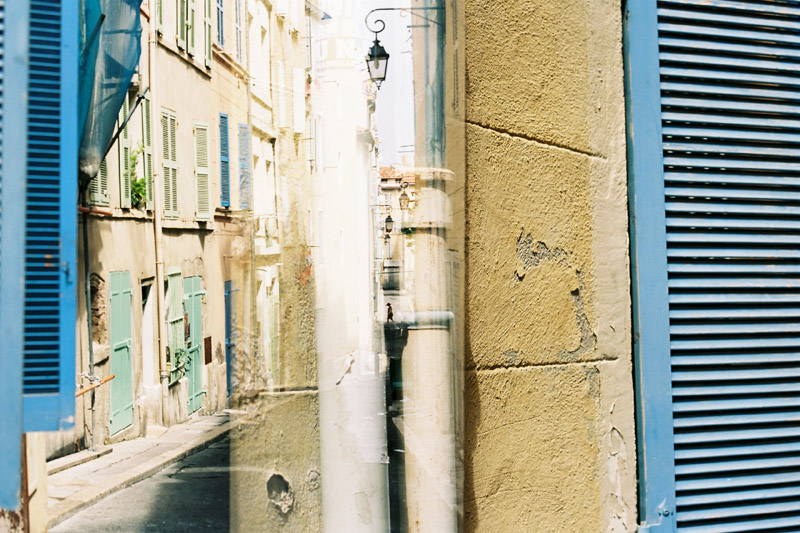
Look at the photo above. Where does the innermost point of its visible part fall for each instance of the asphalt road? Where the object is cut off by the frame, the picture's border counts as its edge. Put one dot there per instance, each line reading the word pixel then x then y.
pixel 190 495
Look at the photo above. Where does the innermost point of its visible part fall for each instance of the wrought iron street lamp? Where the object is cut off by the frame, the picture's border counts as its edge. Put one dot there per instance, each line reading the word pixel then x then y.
pixel 377 59
pixel 389 224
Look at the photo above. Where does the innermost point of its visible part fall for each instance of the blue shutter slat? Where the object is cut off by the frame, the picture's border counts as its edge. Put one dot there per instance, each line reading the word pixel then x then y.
pixel 728 95
pixel 49 294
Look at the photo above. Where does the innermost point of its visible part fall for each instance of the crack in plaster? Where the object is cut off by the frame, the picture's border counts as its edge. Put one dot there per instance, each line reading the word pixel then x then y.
pixel 507 368
pixel 549 144
pixel 588 338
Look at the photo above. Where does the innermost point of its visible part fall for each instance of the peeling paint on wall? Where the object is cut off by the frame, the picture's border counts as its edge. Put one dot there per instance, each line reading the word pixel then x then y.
pixel 532 254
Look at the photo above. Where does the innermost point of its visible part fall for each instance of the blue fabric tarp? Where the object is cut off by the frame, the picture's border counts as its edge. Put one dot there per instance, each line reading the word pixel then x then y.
pixel 110 49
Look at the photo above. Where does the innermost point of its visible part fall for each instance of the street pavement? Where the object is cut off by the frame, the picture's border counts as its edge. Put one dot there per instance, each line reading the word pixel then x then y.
pixel 78 481
pixel 190 495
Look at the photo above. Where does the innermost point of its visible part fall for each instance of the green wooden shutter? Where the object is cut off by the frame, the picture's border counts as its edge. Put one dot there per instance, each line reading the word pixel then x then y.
pixel 190 17
pixel 229 307
pixel 180 28
pixel 193 303
pixel 224 162
pixel 207 33
pixel 98 187
pixel 121 352
pixel 147 135
pixel 124 151
pixel 175 325
pixel 170 163
pixel 201 173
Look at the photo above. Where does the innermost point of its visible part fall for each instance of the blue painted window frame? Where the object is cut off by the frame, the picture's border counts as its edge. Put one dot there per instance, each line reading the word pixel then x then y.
pixel 646 202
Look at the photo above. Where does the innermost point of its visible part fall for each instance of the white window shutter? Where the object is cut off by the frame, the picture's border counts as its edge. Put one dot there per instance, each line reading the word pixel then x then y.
pixel 201 172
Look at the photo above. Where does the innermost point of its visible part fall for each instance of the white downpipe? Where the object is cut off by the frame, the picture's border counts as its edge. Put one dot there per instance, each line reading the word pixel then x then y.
pixel 155 118
pixel 428 368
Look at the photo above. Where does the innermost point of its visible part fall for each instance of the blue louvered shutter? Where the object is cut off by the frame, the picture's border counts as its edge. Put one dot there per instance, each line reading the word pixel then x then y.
pixel 716 220
pixel 244 166
pixel 50 220
pixel 224 162
pixel 13 128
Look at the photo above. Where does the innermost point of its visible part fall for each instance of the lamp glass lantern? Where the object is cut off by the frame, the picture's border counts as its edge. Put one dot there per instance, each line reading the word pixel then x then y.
pixel 404 200
pixel 389 224
pixel 377 61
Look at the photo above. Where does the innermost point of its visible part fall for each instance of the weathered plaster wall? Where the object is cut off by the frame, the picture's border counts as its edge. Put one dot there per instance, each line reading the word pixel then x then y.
pixel 276 401
pixel 549 429
pixel 277 435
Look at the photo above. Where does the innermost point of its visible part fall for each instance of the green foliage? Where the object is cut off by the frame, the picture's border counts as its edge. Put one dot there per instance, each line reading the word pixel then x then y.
pixel 138 185
pixel 177 365
pixel 138 193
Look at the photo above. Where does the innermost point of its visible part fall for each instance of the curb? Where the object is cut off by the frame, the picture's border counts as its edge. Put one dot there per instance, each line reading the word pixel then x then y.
pixel 90 495
pixel 64 463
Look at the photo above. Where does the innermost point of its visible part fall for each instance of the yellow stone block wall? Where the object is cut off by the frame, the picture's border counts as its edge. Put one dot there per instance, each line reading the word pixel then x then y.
pixel 549 430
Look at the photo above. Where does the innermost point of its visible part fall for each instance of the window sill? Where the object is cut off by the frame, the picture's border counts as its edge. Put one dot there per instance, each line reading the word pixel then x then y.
pixel 181 224
pixel 229 61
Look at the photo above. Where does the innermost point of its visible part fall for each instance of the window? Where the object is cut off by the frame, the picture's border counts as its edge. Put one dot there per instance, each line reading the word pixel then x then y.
pixel 244 166
pixel 238 6
pixel 714 276
pixel 124 151
pixel 201 173
pixel 98 187
pixel 147 135
pixel 169 125
pixel 207 33
pixel 190 17
pixel 221 23
pixel 224 162
pixel 181 15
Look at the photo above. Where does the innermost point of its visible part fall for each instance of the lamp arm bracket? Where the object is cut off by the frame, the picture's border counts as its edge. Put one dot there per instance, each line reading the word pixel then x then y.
pixel 409 10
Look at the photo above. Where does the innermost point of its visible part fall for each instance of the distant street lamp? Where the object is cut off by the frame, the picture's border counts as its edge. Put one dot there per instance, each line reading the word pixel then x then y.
pixel 404 199
pixel 389 224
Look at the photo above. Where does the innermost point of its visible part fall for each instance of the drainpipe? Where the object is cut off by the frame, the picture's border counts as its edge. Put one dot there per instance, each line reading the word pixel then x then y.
pixel 157 213
pixel 429 366
pixel 87 286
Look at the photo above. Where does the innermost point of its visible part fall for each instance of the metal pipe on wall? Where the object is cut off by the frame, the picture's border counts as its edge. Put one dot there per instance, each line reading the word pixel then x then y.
pixel 157 229
pixel 429 366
